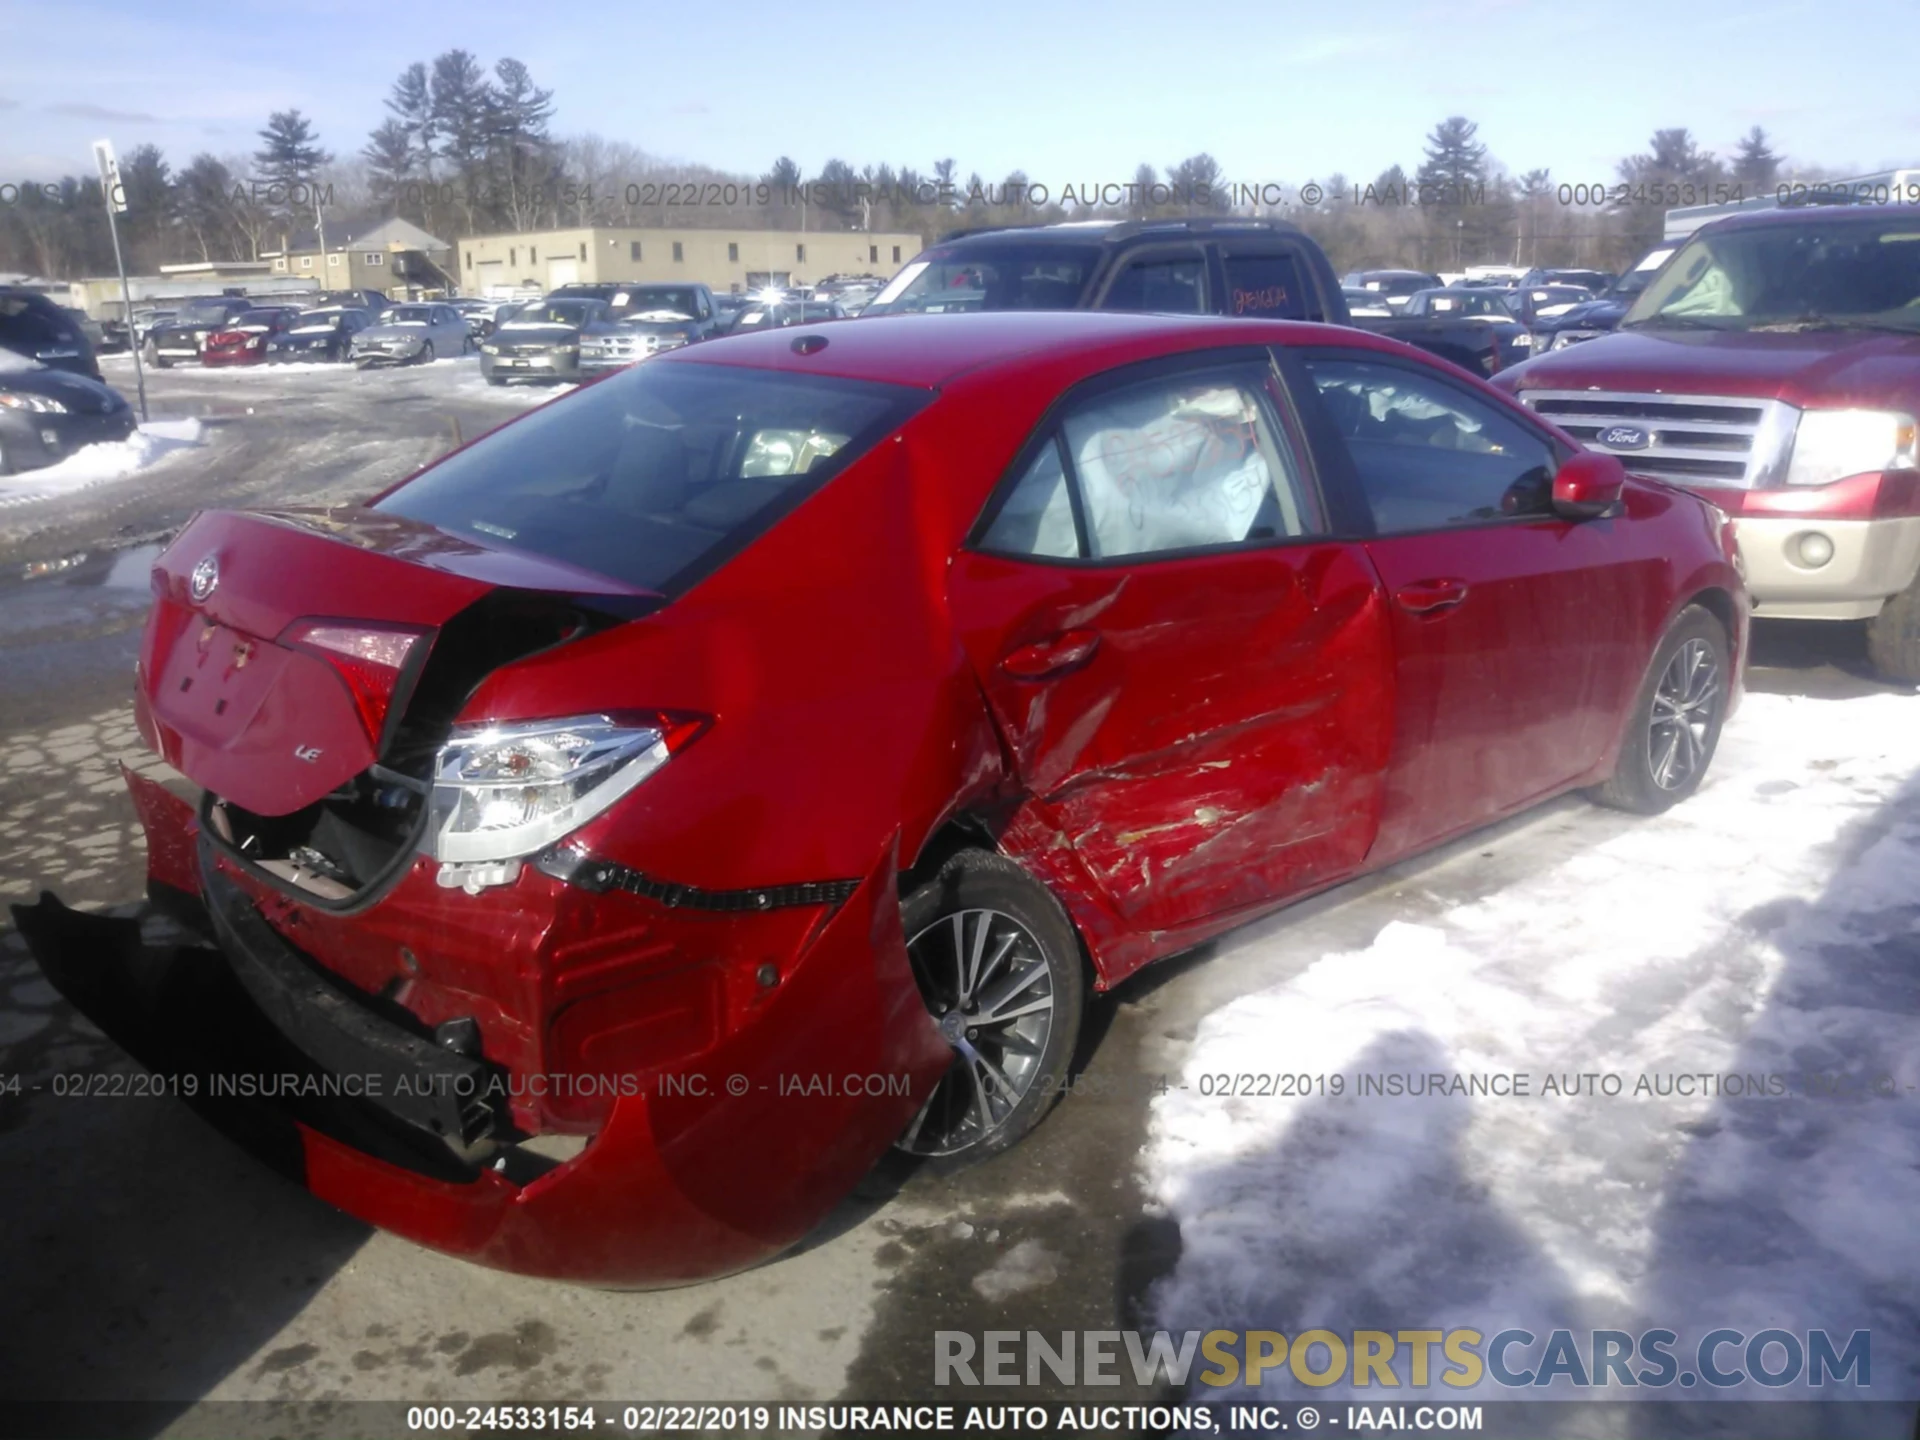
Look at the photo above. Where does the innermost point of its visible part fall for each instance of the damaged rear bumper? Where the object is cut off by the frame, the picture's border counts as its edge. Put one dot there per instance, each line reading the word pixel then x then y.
pixel 725 1162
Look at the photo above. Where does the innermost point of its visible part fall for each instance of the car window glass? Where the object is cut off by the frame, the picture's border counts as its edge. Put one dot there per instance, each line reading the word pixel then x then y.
pixel 1265 286
pixel 1037 518
pixel 1182 462
pixel 1167 284
pixel 24 323
pixel 1429 455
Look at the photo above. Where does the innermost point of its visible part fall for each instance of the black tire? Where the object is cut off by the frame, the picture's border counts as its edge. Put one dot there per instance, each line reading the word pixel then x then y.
pixel 157 360
pixel 1674 726
pixel 1023 949
pixel 1893 637
pixel 425 357
pixel 496 379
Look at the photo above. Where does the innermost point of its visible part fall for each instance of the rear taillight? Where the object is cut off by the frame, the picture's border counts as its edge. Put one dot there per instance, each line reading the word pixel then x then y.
pixel 505 791
pixel 370 659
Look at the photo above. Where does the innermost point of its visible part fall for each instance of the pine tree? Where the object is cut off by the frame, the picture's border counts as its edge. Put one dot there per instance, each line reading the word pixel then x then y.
pixel 1755 165
pixel 460 112
pixel 522 149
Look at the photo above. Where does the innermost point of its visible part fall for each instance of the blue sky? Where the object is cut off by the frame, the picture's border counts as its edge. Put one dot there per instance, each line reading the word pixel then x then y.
pixel 1072 94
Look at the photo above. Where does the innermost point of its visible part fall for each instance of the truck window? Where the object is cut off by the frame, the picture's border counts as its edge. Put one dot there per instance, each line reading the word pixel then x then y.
pixel 1266 287
pixel 1166 284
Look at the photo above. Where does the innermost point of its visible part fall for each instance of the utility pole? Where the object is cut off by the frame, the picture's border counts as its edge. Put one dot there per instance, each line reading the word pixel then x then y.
pixel 116 198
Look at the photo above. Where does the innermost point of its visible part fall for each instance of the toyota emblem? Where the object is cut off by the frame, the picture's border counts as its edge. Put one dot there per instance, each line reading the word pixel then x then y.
pixel 205 578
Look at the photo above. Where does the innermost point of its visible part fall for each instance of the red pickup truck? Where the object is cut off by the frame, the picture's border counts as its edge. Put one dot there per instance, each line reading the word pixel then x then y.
pixel 1773 367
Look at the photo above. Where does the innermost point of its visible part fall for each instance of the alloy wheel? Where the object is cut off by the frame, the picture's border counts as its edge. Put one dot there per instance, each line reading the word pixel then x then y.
pixel 987 984
pixel 1681 722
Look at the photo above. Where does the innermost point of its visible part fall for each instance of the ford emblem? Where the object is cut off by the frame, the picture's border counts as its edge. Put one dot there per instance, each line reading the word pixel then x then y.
pixel 1625 437
pixel 205 578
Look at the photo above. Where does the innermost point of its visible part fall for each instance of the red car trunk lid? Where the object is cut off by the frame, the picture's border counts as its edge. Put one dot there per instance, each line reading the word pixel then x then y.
pixel 236 704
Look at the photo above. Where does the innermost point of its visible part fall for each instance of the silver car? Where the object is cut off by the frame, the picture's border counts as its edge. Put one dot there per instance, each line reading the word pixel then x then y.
pixel 412 334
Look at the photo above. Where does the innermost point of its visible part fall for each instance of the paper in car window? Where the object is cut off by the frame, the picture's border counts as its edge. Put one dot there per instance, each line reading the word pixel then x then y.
pixel 900 282
pixel 619 298
pixel 1654 261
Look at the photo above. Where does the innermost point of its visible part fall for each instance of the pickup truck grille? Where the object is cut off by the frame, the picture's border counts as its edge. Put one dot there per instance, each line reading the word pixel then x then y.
pixel 1704 439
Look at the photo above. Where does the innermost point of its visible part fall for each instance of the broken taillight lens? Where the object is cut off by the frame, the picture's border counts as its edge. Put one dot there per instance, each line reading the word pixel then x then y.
pixel 369 658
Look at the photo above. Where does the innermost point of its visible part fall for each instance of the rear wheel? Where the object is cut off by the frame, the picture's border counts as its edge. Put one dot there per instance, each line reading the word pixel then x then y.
pixel 1893 637
pixel 1675 724
pixel 998 965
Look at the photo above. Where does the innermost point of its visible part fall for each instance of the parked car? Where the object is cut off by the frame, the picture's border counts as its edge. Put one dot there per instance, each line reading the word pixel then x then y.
pixel 411 334
pixel 1472 326
pixel 1532 304
pixel 1367 304
pixel 1592 281
pixel 478 314
pixel 663 317
pixel 374 301
pixel 146 320
pixel 541 341
pixel 1254 269
pixel 33 327
pixel 1393 286
pixel 687 308
pixel 184 336
pixel 324 335
pixel 88 326
pixel 246 338
pixel 1593 318
pixel 1773 365
pixel 780 314
pixel 46 413
pixel 547 798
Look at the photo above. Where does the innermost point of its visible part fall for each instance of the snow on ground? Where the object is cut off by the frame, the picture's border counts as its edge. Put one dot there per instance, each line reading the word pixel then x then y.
pixel 98 464
pixel 1767 930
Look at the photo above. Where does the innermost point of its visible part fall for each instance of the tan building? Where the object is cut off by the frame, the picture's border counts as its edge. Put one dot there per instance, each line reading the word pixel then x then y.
pixel 395 257
pixel 724 259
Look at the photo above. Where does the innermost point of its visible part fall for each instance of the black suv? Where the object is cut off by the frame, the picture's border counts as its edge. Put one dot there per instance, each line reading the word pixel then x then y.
pixel 685 307
pixel 1261 269
pixel 33 327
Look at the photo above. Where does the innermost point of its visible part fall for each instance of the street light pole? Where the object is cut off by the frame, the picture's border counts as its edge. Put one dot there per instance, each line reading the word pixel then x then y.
pixel 116 202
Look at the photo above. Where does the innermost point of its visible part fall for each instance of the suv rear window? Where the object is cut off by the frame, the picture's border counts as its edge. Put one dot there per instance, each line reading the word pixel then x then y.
pixel 1007 276
pixel 659 474
pixel 1266 287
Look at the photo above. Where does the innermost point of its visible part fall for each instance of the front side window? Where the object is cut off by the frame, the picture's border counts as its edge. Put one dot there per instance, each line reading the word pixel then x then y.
pixel 653 477
pixel 1266 287
pixel 1179 463
pixel 1430 456
pixel 1167 284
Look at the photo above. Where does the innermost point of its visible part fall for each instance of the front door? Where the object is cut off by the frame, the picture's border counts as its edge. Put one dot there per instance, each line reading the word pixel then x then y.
pixel 1191 681
pixel 1511 625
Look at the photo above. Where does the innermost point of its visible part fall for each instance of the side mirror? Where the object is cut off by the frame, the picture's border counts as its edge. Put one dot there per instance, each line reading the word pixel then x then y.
pixel 1589 484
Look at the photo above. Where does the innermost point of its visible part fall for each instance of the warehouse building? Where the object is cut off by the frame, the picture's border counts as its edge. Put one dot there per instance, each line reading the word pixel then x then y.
pixel 723 259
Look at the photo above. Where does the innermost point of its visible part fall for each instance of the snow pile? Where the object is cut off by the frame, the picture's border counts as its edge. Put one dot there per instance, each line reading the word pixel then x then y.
pixel 98 464
pixel 1764 934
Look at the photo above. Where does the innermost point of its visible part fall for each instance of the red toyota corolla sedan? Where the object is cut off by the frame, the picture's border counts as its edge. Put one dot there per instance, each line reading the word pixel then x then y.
pixel 613 839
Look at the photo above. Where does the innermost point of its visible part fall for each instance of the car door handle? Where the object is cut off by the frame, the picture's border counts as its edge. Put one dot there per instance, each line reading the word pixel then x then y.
pixel 1423 597
pixel 1047 658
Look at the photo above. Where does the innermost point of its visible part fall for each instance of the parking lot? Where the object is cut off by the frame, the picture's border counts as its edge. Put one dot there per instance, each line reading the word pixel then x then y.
pixel 1768 926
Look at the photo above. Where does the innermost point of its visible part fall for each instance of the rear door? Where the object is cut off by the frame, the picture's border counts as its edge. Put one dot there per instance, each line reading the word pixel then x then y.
pixel 1512 648
pixel 1191 678
pixel 1165 279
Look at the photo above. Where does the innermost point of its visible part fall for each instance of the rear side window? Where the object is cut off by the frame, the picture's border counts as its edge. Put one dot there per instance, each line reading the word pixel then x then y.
pixel 1430 456
pixel 1178 463
pixel 1168 284
pixel 1266 287
pixel 1009 276
pixel 656 476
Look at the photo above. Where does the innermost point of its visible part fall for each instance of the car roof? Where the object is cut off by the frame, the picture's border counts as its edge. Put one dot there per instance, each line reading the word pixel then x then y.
pixel 1081 232
pixel 1791 216
pixel 925 351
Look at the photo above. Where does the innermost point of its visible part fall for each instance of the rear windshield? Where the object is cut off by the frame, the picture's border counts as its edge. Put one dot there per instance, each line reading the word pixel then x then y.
pixel 990 277
pixel 656 476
